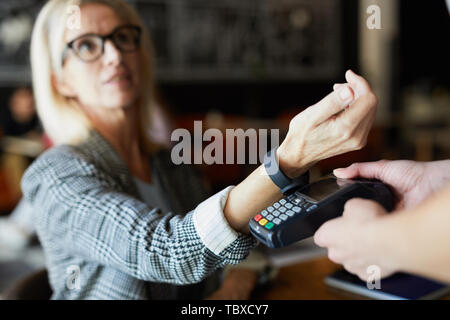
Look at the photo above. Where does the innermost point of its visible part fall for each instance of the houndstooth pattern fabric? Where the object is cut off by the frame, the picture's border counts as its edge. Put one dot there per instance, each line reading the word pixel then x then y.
pixel 102 241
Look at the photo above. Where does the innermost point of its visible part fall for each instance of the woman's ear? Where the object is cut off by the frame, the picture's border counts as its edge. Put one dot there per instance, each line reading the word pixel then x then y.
pixel 62 86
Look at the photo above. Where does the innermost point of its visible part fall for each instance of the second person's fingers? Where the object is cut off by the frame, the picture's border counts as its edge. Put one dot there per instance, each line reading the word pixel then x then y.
pixel 370 170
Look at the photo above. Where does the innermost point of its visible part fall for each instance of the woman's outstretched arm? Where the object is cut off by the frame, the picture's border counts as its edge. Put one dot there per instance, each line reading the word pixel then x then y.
pixel 337 124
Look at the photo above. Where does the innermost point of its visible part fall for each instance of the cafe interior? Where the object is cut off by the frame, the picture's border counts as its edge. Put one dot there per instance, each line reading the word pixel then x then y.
pixel 248 64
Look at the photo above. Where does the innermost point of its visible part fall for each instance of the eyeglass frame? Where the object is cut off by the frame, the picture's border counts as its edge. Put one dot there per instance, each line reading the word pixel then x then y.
pixel 109 36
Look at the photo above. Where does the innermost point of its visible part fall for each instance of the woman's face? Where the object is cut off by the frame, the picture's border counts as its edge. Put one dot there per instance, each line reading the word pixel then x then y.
pixel 112 81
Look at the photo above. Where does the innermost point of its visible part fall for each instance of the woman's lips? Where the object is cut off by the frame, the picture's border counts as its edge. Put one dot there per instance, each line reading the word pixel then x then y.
pixel 119 79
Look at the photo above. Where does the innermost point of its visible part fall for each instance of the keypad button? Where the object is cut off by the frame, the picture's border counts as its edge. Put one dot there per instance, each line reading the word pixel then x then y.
pixel 306 205
pixel 264 213
pixel 262 221
pixel 283 217
pixel 282 201
pixel 269 225
pixel 311 208
pixel 276 205
pixel 258 217
pixel 296 209
pixel 288 205
pixel 276 213
pixel 269 217
pixel 276 221
pixel 298 200
pixel 290 213
pixel 270 209
pixel 282 209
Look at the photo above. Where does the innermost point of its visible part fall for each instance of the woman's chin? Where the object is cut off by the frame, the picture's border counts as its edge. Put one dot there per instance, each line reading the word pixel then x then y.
pixel 120 101
pixel 120 105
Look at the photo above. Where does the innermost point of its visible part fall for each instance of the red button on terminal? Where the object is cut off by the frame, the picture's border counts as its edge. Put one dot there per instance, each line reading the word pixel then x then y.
pixel 258 217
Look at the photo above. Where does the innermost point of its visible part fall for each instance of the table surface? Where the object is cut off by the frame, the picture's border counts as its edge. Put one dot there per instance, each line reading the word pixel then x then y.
pixel 305 281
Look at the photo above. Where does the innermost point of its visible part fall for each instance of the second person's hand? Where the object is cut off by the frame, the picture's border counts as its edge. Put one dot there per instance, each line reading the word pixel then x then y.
pixel 411 181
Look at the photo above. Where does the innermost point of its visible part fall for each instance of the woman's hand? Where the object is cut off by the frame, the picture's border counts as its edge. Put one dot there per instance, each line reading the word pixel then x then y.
pixel 337 124
pixel 411 181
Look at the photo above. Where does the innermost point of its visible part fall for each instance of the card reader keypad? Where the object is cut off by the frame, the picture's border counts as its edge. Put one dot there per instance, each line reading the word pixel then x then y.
pixel 283 210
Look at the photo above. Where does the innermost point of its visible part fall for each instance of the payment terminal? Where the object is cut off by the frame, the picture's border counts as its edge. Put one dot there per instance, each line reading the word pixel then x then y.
pixel 298 215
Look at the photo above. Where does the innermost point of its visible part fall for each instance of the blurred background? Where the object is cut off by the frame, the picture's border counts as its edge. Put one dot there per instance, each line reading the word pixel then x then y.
pixel 247 64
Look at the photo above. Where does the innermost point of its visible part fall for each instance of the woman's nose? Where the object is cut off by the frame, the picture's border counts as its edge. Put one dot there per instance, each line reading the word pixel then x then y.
pixel 111 55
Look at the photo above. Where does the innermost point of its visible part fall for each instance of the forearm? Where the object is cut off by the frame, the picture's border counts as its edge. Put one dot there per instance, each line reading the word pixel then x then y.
pixel 249 197
pixel 93 219
pixel 418 240
pixel 437 174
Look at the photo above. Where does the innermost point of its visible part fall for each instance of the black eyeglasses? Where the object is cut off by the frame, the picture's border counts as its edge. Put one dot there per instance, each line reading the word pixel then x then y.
pixel 90 47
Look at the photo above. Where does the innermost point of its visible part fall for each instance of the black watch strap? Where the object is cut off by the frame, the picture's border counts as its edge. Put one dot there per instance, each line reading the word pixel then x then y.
pixel 278 177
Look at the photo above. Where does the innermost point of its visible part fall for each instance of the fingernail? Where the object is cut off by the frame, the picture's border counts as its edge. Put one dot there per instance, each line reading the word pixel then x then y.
pixel 345 94
pixel 340 173
pixel 350 71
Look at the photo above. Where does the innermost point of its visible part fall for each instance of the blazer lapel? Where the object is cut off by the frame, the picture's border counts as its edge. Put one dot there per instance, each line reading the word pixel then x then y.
pixel 109 160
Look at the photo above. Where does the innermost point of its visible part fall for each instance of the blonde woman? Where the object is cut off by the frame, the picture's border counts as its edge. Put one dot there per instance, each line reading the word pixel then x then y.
pixel 116 218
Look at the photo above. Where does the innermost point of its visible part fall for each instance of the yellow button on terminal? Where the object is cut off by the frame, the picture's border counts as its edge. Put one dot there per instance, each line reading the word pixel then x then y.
pixel 263 221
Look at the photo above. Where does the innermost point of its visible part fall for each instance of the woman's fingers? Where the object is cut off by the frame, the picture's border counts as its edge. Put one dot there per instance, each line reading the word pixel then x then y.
pixel 358 83
pixel 333 103
pixel 361 113
pixel 344 94
pixel 337 86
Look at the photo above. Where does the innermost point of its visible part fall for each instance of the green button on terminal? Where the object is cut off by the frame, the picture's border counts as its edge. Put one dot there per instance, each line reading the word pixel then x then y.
pixel 269 225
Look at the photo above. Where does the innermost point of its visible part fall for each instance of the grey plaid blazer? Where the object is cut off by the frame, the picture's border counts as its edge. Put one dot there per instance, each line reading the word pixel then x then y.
pixel 101 240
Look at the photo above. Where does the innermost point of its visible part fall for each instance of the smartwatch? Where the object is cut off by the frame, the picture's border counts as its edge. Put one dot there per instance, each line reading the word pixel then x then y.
pixel 278 177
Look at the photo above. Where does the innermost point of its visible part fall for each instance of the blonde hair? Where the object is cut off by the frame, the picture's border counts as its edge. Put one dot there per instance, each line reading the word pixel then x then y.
pixel 63 120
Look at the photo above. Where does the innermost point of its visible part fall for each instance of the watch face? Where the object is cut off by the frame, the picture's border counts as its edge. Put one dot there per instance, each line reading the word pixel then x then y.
pixel 322 189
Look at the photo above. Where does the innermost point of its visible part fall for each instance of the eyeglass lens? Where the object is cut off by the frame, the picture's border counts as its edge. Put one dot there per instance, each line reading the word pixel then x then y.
pixel 90 47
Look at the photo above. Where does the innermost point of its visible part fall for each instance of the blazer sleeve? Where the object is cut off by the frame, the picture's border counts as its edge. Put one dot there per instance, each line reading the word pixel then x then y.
pixel 78 208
